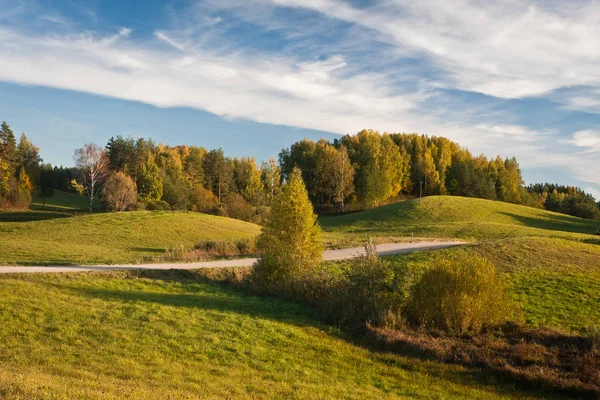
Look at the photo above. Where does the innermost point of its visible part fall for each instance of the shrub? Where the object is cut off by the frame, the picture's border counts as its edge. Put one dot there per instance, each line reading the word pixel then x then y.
pixel 459 296
pixel 157 205
pixel 374 291
pixel 202 200
pixel 119 192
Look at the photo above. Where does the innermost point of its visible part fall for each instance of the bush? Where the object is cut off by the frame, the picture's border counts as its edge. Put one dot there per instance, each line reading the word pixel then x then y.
pixel 202 200
pixel 374 292
pixel 119 192
pixel 157 205
pixel 459 296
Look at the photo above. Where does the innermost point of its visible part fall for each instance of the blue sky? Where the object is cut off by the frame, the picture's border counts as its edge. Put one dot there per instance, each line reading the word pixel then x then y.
pixel 514 78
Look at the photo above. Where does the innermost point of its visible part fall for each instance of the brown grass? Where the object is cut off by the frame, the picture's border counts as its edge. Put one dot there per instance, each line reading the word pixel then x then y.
pixel 532 357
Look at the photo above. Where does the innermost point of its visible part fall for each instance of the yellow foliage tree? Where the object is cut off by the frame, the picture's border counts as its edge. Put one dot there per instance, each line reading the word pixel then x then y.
pixel 290 241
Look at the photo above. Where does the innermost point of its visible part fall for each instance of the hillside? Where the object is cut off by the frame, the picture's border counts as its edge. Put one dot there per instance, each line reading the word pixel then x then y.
pixel 456 217
pixel 48 237
pixel 65 201
pixel 554 282
pixel 173 335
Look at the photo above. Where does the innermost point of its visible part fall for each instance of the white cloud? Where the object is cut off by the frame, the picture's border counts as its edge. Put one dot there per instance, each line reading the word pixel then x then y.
pixel 508 49
pixel 509 52
pixel 588 139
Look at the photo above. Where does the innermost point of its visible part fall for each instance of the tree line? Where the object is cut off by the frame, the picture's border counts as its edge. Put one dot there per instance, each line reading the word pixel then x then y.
pixel 351 173
pixel 369 169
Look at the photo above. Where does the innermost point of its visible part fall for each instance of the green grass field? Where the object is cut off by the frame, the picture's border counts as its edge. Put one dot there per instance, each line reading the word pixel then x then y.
pixel 554 282
pixel 64 201
pixel 51 237
pixel 456 217
pixel 168 335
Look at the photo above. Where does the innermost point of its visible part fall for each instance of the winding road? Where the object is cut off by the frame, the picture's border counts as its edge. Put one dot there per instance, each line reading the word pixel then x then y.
pixel 329 255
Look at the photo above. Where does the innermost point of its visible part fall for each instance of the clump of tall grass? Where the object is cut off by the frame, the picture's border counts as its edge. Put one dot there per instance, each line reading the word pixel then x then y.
pixel 207 249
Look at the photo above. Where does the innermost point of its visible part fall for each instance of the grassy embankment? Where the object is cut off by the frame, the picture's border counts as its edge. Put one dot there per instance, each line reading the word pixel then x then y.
pixel 121 335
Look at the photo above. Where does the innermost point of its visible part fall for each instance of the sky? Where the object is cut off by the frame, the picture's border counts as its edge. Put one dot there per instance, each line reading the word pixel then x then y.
pixel 510 78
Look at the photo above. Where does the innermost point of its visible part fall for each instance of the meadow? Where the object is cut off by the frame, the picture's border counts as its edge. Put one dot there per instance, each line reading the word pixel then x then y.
pixel 68 238
pixel 179 334
pixel 175 335
pixel 455 217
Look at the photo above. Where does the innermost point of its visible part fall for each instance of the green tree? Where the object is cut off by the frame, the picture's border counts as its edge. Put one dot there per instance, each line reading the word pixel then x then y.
pixel 8 160
pixel 335 175
pixel 46 185
pixel 248 182
pixel 290 240
pixel 20 196
pixel 150 184
pixel 218 173
pixel 29 158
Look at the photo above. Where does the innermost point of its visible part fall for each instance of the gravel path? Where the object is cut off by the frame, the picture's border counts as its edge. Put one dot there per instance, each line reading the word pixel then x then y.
pixel 342 254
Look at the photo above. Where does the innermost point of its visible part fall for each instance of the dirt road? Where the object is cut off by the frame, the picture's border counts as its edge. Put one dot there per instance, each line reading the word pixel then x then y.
pixel 342 254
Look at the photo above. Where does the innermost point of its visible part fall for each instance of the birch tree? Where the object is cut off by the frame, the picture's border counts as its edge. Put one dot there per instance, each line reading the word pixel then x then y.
pixel 92 161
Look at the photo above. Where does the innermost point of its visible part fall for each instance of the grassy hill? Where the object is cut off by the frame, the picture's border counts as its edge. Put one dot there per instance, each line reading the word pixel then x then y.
pixel 50 237
pixel 456 217
pixel 555 282
pixel 168 335
pixel 65 201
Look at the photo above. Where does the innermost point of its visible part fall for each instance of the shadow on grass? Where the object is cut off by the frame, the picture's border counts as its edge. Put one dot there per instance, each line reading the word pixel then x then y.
pixel 27 216
pixel 213 296
pixel 557 222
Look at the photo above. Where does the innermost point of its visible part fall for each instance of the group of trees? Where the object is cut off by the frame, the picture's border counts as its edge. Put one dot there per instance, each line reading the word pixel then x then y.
pixel 351 173
pixel 20 166
pixel 142 174
pixel 369 169
pixel 567 200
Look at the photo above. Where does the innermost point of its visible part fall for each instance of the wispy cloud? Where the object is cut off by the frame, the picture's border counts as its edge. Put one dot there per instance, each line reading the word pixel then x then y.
pixel 390 66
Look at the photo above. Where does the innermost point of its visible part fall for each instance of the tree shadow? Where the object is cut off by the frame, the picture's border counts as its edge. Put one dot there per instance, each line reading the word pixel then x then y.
pixel 223 297
pixel 557 222
pixel 28 216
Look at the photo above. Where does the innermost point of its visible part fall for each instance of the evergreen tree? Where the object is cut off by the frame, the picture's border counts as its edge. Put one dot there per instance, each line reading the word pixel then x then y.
pixel 290 241
pixel 46 185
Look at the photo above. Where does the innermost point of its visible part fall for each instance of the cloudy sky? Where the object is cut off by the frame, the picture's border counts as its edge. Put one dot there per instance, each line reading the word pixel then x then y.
pixel 514 78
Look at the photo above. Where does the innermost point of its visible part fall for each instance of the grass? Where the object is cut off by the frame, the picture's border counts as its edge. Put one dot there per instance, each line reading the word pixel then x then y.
pixel 50 237
pixel 65 201
pixel 169 335
pixel 555 282
pixel 455 217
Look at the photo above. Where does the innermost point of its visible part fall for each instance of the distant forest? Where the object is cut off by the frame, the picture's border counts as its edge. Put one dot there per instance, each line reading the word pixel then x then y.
pixel 351 173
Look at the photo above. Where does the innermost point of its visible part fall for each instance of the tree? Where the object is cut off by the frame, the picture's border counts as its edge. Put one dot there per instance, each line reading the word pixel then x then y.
pixel 335 175
pixel 8 160
pixel 119 192
pixel 247 178
pixel 46 187
pixel 28 156
pixel 218 174
pixel 20 195
pixel 92 162
pixel 290 240
pixel 150 184
pixel 271 176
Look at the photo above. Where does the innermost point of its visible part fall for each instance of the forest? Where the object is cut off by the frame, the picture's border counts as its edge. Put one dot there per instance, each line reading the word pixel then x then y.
pixel 351 173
